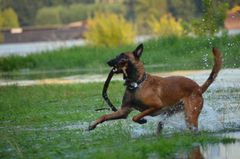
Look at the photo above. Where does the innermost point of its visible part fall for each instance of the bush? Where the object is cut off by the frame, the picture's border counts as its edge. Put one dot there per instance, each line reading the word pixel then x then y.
pixel 8 19
pixel 1 20
pixel 48 16
pixel 1 38
pixel 167 25
pixel 143 8
pixel 109 30
pixel 212 19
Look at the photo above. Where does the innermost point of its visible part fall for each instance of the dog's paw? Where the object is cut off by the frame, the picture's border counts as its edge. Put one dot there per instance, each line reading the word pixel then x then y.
pixel 142 121
pixel 194 130
pixel 159 127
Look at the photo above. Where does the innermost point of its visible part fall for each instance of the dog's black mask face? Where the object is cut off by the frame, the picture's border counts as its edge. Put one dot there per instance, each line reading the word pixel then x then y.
pixel 120 62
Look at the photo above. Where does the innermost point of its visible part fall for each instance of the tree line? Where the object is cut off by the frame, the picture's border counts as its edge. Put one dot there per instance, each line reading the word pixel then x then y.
pixel 176 17
pixel 27 9
pixel 30 12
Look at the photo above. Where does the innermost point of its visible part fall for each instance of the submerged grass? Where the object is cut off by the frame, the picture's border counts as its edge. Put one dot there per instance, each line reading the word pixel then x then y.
pixel 160 55
pixel 49 121
pixel 105 142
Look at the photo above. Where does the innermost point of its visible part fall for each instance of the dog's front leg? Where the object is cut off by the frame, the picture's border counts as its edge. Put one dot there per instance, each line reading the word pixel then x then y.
pixel 120 114
pixel 146 112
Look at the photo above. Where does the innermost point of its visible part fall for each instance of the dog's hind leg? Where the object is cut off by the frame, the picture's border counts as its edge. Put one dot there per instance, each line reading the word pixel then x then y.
pixel 178 107
pixel 193 106
pixel 120 114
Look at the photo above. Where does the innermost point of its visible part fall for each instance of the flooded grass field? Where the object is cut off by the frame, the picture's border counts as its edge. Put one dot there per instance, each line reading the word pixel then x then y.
pixel 50 121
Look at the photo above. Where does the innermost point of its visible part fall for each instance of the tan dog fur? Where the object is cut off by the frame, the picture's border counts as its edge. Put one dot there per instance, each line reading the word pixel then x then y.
pixel 157 95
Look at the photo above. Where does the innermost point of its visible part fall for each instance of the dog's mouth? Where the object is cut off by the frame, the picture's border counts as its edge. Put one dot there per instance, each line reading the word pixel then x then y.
pixel 117 67
pixel 115 70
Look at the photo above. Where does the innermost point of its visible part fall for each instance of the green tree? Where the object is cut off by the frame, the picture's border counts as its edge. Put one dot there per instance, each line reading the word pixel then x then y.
pixel 9 19
pixel 182 9
pixel 75 12
pixel 130 9
pixel 72 13
pixel 212 19
pixel 1 20
pixel 117 8
pixel 1 38
pixel 1 23
pixel 48 16
pixel 144 9
pixel 27 9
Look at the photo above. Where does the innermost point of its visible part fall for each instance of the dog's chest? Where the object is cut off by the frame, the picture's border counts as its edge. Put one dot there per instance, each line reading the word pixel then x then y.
pixel 136 99
pixel 139 105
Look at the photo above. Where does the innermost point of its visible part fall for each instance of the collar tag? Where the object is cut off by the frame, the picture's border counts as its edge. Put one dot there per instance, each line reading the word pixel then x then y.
pixel 132 86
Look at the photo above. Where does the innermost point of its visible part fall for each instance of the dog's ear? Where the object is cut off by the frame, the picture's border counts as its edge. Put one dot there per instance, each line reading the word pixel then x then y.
pixel 138 51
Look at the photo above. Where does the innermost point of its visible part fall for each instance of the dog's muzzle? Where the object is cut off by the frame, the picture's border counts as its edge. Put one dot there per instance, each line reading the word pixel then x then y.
pixel 113 64
pixel 115 70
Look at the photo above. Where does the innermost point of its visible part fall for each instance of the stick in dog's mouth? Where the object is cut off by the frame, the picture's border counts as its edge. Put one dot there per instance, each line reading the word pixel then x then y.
pixel 114 69
pixel 104 91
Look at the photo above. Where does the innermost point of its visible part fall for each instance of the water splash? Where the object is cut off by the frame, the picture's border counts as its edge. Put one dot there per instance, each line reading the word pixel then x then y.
pixel 221 110
pixel 221 107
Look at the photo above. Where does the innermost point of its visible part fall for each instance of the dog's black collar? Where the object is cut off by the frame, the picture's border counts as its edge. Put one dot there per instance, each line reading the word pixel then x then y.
pixel 131 85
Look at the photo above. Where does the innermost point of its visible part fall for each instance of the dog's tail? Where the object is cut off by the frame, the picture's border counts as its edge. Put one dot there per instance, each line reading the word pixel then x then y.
pixel 215 70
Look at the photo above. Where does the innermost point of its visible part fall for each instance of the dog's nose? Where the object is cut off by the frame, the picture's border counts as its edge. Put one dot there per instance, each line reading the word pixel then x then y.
pixel 111 63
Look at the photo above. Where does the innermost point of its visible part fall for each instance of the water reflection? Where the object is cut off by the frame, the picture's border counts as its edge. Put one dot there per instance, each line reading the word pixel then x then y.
pixel 214 151
pixel 36 47
pixel 194 153
pixel 223 151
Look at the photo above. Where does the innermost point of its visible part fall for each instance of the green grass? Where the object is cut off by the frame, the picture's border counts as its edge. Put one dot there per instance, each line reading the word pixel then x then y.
pixel 168 54
pixel 49 121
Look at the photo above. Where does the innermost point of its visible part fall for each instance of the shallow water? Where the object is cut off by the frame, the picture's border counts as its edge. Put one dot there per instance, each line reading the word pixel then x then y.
pixel 214 151
pixel 221 112
pixel 221 108
pixel 24 49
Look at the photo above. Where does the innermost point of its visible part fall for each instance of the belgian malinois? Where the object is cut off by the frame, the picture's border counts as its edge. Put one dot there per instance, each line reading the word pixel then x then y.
pixel 153 95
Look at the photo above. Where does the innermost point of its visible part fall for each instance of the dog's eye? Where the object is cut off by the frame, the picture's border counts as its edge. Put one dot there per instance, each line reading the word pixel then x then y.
pixel 123 60
pixel 120 55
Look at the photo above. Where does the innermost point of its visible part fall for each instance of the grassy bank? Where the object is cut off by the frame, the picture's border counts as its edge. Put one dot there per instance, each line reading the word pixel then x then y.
pixel 162 54
pixel 49 121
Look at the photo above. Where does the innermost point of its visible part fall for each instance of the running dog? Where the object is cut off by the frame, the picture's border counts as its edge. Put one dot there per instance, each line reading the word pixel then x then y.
pixel 153 95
